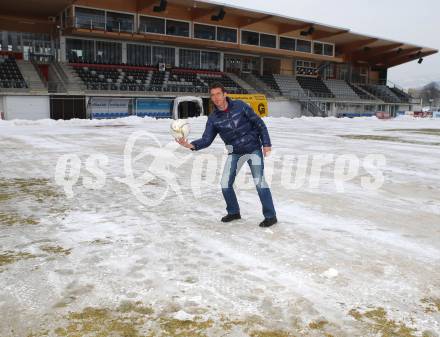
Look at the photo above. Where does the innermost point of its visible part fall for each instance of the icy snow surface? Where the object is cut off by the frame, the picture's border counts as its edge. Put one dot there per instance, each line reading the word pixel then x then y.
pixel 338 263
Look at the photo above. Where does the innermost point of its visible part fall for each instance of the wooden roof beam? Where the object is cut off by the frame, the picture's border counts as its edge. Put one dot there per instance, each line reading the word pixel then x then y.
pixel 392 55
pixel 343 48
pixel 374 52
pixel 144 4
pixel 27 20
pixel 399 60
pixel 284 29
pixel 325 35
pixel 198 13
pixel 251 21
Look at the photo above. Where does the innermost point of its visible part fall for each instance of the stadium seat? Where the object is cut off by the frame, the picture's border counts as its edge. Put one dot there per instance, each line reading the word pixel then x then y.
pixel 148 78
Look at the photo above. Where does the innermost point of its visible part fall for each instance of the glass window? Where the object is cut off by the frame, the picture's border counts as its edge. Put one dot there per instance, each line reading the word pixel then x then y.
pixel 189 58
pixel 177 28
pixel 152 25
pixel 287 44
pixel 269 41
pixel 108 52
pixel 118 22
pixel 204 32
pixel 138 54
pixel 318 48
pixel 210 60
pixel 328 49
pixel 164 55
pixel 226 35
pixel 250 38
pixel 89 18
pixel 80 50
pixel 304 46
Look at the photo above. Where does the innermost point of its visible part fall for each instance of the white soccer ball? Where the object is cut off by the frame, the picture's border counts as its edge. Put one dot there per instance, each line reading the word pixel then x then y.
pixel 180 128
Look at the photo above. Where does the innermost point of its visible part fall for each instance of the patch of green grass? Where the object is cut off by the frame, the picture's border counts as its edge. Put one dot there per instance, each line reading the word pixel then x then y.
pixel 100 242
pixel 178 328
pixel 388 139
pixel 5 196
pixel 38 189
pixel 100 322
pixel 432 132
pixel 57 250
pixel 271 333
pixel 378 322
pixel 431 305
pixel 136 307
pixel 9 257
pixel 33 192
pixel 318 325
pixel 11 219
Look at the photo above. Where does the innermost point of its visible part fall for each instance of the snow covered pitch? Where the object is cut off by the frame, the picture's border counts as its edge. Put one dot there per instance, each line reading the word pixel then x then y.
pixel 109 228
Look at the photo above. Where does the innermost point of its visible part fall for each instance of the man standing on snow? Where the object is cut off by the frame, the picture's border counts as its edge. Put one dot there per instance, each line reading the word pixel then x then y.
pixel 245 133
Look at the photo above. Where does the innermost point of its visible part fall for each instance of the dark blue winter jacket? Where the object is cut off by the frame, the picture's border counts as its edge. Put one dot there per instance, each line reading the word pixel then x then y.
pixel 239 127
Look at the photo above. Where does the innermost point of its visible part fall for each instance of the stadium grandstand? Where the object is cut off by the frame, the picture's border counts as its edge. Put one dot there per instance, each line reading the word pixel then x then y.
pixel 59 56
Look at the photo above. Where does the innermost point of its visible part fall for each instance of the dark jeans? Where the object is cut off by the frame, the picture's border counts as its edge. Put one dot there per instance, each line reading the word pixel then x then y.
pixel 232 167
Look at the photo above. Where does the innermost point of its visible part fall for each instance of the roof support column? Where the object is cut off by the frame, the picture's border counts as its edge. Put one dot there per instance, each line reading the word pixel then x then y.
pixel 5 41
pixel 176 57
pixel 124 52
pixel 63 48
pixel 222 61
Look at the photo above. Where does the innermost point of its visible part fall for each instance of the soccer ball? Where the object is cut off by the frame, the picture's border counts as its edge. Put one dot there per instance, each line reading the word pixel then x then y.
pixel 180 128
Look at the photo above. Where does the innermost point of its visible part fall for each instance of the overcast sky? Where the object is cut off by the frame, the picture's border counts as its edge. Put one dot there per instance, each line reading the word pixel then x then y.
pixel 412 21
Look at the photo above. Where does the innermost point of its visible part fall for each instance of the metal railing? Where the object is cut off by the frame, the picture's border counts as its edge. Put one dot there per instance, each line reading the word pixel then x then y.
pixel 21 86
pixel 89 23
pixel 117 26
pixel 13 85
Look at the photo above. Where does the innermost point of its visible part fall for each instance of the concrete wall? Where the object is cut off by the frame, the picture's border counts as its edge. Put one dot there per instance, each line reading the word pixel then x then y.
pixel 26 107
pixel 284 109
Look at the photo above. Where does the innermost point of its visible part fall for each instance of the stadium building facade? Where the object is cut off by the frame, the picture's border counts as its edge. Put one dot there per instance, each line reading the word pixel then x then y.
pixel 60 57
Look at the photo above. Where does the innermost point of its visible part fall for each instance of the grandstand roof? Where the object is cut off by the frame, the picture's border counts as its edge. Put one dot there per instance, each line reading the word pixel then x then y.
pixel 350 46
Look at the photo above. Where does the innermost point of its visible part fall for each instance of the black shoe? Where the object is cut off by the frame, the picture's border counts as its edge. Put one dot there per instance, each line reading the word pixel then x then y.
pixel 231 217
pixel 269 222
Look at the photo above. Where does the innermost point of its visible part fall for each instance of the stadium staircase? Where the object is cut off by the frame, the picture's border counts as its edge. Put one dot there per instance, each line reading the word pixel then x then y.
pixel 400 93
pixel 31 76
pixel 307 105
pixel 382 92
pixel 67 75
pixel 341 90
pixel 260 86
pixel 363 94
pixel 289 86
pixel 245 85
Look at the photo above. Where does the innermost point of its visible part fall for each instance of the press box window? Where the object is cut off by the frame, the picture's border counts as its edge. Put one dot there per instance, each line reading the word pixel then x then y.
pixel 117 22
pixel 287 44
pixel 152 25
pixel 89 18
pixel 328 50
pixel 304 46
pixel 204 32
pixel 177 28
pixel 226 35
pixel 269 41
pixel 250 38
pixel 318 48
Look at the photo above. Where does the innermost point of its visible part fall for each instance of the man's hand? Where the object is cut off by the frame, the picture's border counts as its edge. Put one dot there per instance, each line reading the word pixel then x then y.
pixel 267 150
pixel 184 142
